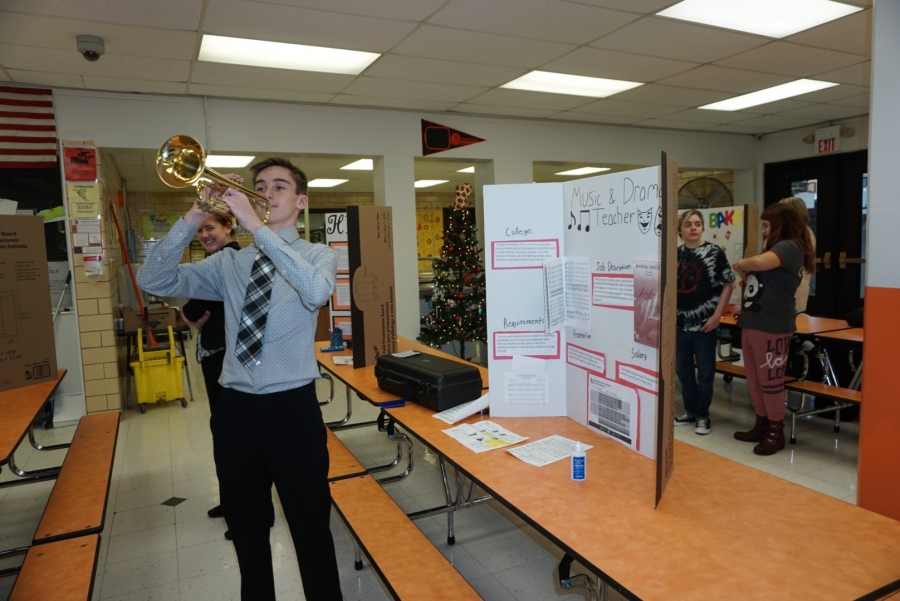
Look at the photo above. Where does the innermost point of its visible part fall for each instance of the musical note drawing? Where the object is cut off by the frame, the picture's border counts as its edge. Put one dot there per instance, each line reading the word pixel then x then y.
pixel 581 212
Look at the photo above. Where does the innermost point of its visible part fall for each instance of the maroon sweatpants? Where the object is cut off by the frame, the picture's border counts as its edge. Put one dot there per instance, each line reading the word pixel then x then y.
pixel 765 358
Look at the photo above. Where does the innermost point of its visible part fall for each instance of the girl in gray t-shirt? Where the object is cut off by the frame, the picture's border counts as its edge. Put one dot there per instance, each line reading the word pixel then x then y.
pixel 767 317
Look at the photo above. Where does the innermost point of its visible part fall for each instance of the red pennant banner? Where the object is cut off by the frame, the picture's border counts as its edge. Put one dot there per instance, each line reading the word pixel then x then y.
pixel 438 138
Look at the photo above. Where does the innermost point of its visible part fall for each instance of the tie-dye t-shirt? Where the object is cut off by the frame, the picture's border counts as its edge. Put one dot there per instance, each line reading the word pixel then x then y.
pixel 702 274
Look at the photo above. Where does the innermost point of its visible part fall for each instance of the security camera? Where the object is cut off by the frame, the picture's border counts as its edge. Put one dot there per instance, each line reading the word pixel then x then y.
pixel 90 47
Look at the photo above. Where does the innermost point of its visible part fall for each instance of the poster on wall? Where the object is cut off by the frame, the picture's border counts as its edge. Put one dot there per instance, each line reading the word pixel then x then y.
pixel 596 243
pixel 429 233
pixel 84 200
pixel 80 163
pixel 154 227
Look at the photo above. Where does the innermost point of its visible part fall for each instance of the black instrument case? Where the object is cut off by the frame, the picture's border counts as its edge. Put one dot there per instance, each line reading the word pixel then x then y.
pixel 434 382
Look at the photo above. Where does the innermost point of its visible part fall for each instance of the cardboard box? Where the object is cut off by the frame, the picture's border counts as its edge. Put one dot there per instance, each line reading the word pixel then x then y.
pixel 157 318
pixel 373 315
pixel 27 346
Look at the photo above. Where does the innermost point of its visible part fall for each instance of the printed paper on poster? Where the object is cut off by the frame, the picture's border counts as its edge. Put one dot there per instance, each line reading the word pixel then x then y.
pixel 613 410
pixel 646 302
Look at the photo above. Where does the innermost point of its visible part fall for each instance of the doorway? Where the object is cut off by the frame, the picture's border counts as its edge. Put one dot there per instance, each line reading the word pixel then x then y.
pixel 834 188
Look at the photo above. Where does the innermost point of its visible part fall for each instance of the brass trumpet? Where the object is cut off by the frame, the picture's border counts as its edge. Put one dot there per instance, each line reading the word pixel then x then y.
pixel 181 162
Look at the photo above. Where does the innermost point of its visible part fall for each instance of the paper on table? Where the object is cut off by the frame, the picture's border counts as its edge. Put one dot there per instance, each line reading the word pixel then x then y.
pixel 454 414
pixel 547 450
pixel 343 360
pixel 483 436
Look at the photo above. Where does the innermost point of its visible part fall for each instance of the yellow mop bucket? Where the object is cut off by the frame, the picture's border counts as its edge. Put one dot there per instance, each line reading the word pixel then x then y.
pixel 158 374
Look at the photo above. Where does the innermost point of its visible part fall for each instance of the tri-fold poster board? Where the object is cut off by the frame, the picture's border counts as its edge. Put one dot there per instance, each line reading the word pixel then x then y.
pixel 580 280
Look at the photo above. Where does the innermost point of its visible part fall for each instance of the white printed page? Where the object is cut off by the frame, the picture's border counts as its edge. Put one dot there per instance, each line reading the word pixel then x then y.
pixel 555 309
pixel 523 227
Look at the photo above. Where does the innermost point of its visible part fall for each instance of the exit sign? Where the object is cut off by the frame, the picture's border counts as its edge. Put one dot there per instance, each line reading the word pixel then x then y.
pixel 828 139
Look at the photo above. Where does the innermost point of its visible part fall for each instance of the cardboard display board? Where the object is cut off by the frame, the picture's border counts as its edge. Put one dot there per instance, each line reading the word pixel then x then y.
pixel 27 345
pixel 370 255
pixel 665 419
pixel 736 231
pixel 593 355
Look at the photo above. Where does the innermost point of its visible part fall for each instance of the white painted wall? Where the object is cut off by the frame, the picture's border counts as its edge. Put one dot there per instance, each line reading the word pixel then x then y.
pixel 512 145
pixel 884 177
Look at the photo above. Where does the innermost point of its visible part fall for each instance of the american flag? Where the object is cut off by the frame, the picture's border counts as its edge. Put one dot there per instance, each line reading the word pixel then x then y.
pixel 27 128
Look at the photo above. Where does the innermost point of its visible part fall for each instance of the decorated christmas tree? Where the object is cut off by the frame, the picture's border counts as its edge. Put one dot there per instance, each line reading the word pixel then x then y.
pixel 457 303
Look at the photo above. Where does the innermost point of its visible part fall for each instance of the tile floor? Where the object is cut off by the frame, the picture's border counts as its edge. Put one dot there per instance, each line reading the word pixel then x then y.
pixel 154 552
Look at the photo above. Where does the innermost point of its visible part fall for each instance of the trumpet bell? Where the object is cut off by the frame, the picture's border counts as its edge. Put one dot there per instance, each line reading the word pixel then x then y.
pixel 180 161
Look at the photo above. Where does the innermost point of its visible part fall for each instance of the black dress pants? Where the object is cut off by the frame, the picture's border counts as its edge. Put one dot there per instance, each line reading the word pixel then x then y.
pixel 211 366
pixel 261 439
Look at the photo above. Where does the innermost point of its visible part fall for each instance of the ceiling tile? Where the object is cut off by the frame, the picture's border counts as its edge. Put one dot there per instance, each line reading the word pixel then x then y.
pixel 71 61
pixel 666 124
pixel 48 32
pixel 733 128
pixel 608 106
pixel 549 20
pixel 776 122
pixel 833 93
pixel 826 112
pixel 859 74
pixel 852 33
pixel 795 60
pixel 400 10
pixel 93 82
pixel 609 119
pixel 277 23
pixel 530 100
pixel 506 111
pixel 636 6
pixel 678 40
pixel 723 79
pixel 258 93
pixel 396 88
pixel 779 106
pixel 273 79
pixel 593 62
pixel 861 101
pixel 395 66
pixel 161 14
pixel 670 95
pixel 711 117
pixel 399 103
pixel 62 80
pixel 430 41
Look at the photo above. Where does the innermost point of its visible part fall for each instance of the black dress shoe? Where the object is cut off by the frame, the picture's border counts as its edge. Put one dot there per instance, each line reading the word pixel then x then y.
pixel 215 512
pixel 228 535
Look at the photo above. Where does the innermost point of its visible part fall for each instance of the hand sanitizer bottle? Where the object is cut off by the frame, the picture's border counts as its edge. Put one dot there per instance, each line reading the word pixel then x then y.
pixel 579 463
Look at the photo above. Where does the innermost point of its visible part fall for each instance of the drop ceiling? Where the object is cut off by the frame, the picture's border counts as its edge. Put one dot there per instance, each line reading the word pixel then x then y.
pixel 451 56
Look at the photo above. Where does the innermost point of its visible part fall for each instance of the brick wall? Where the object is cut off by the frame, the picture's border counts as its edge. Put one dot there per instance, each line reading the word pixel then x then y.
pixel 97 296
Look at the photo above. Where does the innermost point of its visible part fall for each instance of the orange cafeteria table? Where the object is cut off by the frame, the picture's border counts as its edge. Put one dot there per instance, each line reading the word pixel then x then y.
pixel 19 408
pixel 806 324
pixel 742 531
pixel 850 335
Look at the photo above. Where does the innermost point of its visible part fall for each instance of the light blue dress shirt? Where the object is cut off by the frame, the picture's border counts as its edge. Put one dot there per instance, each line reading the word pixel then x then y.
pixel 304 281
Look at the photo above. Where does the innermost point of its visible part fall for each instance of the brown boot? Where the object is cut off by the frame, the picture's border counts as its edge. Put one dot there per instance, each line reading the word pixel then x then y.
pixel 756 433
pixel 773 441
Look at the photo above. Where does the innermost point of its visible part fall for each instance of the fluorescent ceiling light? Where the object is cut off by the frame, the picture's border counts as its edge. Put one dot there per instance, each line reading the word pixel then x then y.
pixel 326 183
pixel 584 170
pixel 277 55
pixel 232 162
pixel 785 90
pixel 576 85
pixel 360 165
pixel 467 170
pixel 427 183
pixel 773 18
